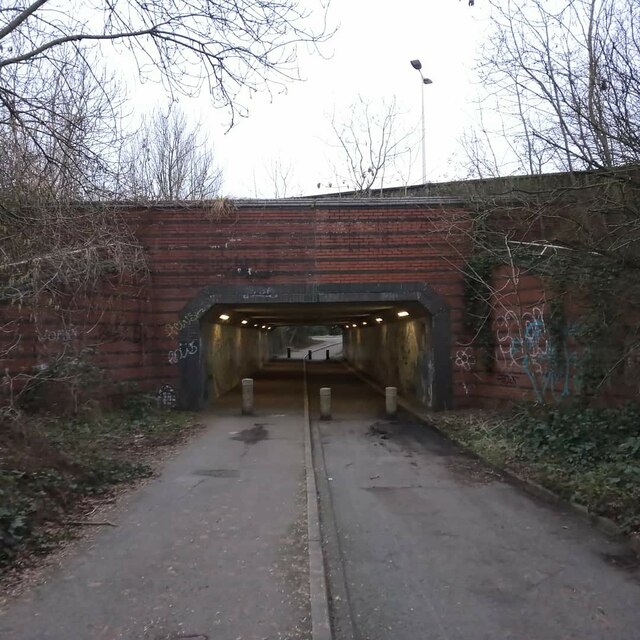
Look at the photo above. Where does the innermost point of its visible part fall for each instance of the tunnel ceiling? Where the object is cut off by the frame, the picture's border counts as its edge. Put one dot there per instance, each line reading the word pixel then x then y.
pixel 314 313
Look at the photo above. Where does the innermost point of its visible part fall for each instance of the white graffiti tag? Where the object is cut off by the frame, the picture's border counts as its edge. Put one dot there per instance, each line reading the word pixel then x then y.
pixel 61 335
pixel 523 341
pixel 465 359
pixel 173 328
pixel 184 350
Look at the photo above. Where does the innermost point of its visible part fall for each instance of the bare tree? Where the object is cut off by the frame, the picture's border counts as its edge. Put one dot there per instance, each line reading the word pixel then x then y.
pixel 61 147
pixel 228 45
pixel 168 159
pixel 564 77
pixel 372 144
pixel 565 95
pixel 53 248
pixel 281 178
pixel 47 239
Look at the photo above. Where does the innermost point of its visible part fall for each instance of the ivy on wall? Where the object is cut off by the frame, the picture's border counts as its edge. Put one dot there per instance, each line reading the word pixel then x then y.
pixel 478 272
pixel 601 332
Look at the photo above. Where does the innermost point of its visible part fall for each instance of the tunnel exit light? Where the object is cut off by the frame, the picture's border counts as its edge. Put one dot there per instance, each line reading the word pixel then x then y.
pixel 402 314
pixel 223 316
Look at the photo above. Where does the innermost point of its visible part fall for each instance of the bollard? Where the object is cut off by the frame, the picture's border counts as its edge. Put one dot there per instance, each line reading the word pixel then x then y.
pixel 247 396
pixel 391 401
pixel 325 403
pixel 310 354
pixel 288 352
pixel 327 354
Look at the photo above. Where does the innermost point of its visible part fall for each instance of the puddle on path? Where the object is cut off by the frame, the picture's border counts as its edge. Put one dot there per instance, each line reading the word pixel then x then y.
pixel 252 435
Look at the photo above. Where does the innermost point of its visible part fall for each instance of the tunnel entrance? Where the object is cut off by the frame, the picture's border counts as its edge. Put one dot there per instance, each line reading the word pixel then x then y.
pixel 398 334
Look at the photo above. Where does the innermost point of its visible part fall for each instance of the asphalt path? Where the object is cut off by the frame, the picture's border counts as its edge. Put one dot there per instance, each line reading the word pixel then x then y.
pixel 214 548
pixel 420 541
pixel 425 542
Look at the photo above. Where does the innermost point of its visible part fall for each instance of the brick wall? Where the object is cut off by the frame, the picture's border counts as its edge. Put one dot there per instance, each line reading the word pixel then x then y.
pixel 327 243
pixel 135 329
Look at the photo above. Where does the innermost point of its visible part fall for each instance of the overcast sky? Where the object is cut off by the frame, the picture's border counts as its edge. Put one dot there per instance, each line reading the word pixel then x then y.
pixel 369 56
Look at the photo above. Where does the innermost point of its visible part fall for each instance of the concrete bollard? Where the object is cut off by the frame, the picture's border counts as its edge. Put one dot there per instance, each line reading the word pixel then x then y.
pixel 325 403
pixel 328 354
pixel 288 352
pixel 247 396
pixel 391 401
pixel 310 354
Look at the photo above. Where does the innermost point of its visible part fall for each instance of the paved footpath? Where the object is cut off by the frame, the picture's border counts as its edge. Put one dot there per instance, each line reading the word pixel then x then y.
pixel 426 543
pixel 214 549
pixel 422 542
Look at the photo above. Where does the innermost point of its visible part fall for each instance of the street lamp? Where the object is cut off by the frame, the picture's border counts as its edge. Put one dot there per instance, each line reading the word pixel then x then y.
pixel 417 65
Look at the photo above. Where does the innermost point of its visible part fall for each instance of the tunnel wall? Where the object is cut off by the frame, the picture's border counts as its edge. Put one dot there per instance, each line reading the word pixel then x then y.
pixel 398 355
pixel 231 353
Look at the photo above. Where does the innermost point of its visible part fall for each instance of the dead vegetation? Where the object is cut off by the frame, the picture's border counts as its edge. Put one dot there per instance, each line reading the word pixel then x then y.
pixel 51 465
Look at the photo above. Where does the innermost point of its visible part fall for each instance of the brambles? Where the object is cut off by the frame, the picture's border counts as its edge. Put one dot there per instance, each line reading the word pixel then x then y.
pixel 49 465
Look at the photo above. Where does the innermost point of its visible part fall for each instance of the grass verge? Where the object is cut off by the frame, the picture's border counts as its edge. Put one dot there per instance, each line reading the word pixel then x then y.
pixel 589 456
pixel 50 466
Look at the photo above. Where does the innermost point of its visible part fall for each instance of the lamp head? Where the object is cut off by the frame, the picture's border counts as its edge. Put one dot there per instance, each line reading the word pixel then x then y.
pixel 427 80
pixel 416 64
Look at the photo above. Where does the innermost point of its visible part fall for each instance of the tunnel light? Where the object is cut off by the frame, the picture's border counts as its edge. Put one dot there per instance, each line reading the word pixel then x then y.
pixel 347 326
pixel 354 325
pixel 244 322
pixel 364 323
pixel 268 328
pixel 403 314
pixel 378 319
pixel 223 316
pixel 255 325
pixel 264 326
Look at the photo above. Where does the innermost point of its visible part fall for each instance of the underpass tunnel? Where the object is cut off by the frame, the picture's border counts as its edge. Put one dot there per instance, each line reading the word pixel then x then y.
pixel 390 342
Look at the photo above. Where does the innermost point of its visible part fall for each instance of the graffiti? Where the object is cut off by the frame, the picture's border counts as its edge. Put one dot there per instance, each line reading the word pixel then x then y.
pixel 166 396
pixel 524 346
pixel 464 362
pixel 261 292
pixel 61 335
pixel 173 328
pixel 467 387
pixel 184 350
pixel 523 339
pixel 464 359
pixel 507 379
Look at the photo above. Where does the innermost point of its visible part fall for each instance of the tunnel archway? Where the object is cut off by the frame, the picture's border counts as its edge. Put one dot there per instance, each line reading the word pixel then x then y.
pixel 192 390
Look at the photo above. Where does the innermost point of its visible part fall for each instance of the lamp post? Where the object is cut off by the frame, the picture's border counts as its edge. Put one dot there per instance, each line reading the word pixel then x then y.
pixel 417 65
